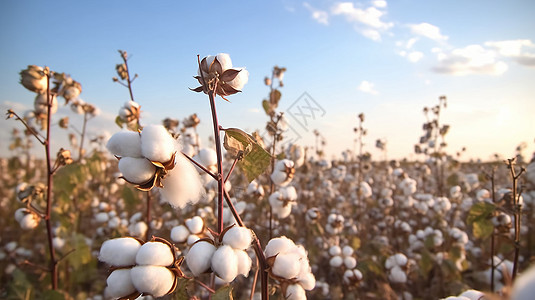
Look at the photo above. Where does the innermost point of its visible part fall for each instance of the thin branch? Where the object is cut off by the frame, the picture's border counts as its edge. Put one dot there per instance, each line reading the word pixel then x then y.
pixel 36 134
pixel 200 166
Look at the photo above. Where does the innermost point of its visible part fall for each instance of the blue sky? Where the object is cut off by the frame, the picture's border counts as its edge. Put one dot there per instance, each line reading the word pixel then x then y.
pixel 386 59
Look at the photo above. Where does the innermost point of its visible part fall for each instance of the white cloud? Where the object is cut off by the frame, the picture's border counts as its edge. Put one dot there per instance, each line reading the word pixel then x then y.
pixel 515 49
pixel 415 56
pixel 429 31
pixel 367 87
pixel 367 21
pixel 379 3
pixel 473 59
pixel 320 16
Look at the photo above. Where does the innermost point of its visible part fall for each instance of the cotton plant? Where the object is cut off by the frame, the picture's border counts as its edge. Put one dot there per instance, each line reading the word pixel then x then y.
pixel 395 265
pixel 335 223
pixel 282 201
pixel 342 258
pixel 283 172
pixel 191 231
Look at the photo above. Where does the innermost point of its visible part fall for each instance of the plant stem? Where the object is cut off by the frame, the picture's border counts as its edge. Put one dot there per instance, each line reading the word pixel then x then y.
pixel 82 136
pixel 219 174
pixel 148 216
pixel 492 250
pixel 517 209
pixel 128 81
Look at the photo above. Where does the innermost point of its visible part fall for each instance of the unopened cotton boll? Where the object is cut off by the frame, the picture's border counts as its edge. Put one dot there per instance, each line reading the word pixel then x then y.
pixel 125 144
pixel 278 245
pixel 238 237
pixel 244 262
pixel 225 263
pixel 179 234
pixel 195 224
pixel 182 185
pixel 119 284
pixel 199 257
pixel 287 265
pixel 136 170
pixel 153 280
pixel 120 252
pixel 157 144
pixel 295 292
pixel 156 254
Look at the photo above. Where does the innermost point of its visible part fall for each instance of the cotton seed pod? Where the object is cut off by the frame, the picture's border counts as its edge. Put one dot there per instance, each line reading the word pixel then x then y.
pixel 20 213
pixel 335 250
pixel 29 221
pixel 34 79
pixel 238 238
pixel 336 261
pixel 199 257
pixel 240 80
pixel 136 170
pixel 157 144
pixel 156 254
pixel 125 144
pixel 307 281
pixel 350 262
pixel 120 252
pixel 278 245
pixel 179 234
pixel 295 292
pixel 287 265
pixel 119 284
pixel 153 280
pixel 195 224
pixel 225 263
pixel 244 262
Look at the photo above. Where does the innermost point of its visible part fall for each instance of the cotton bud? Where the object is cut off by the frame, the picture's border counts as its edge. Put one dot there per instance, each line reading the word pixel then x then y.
pixel 244 262
pixel 336 261
pixel 119 284
pixel 157 144
pixel 120 252
pixel 295 292
pixel 125 143
pixel 195 225
pixel 156 254
pixel 238 237
pixel 350 262
pixel 136 170
pixel 287 265
pixel 153 280
pixel 179 234
pixel 225 263
pixel 41 106
pixel 130 111
pixel 34 79
pixel 199 257
pixel 335 250
pixel 278 245
pixel 397 275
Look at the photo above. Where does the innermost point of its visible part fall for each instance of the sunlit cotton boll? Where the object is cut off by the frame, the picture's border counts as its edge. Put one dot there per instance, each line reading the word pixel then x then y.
pixel 153 280
pixel 125 144
pixel 397 275
pixel 157 144
pixel 524 285
pixel 283 172
pixel 225 263
pixel 29 221
pixel 240 80
pixel 199 257
pixel 238 237
pixel 182 185
pixel 244 262
pixel 40 104
pixel 195 224
pixel 136 170
pixel 179 234
pixel 287 265
pixel 278 245
pixel 119 252
pixel 138 229
pixel 119 284
pixel 280 208
pixel 335 250
pixel 295 292
pixel 156 254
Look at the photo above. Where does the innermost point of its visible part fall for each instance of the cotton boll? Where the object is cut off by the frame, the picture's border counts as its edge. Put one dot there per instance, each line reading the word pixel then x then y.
pixel 179 234
pixel 278 245
pixel 225 263
pixel 119 284
pixel 136 170
pixel 400 259
pixel 156 254
pixel 182 185
pixel 192 238
pixel 397 275
pixel 244 262
pixel 153 280
pixel 20 213
pixel 207 157
pixel 347 251
pixel 199 257
pixel 157 144
pixel 289 193
pixel 240 80
pixel 295 292
pixel 307 281
pixel 29 221
pixel 477 295
pixel 524 285
pixel 58 242
pixel 287 265
pixel 335 250
pixel 138 229
pixel 279 178
pixel 350 262
pixel 282 212
pixel 195 224
pixel 224 60
pixel 125 144
pixel 102 217
pixel 238 237
pixel 120 252
pixel 336 261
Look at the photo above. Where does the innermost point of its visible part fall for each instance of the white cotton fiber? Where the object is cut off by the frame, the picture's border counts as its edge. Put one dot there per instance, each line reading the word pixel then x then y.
pixel 119 284
pixel 136 170
pixel 347 251
pixel 225 263
pixel 195 224
pixel 244 262
pixel 153 280
pixel 397 275
pixel 295 292
pixel 238 237
pixel 278 245
pixel 192 238
pixel 206 157
pixel 157 144
pixel 336 261
pixel 182 185
pixel 350 262
pixel 120 252
pixel 156 254
pixel 179 234
pixel 287 265
pixel 199 257
pixel 335 250
pixel 125 143
pixel 307 281
pixel 29 221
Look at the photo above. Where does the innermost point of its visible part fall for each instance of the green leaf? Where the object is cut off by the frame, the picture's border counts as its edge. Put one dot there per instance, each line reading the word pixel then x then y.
pixel 53 295
pixel 255 160
pixel 181 292
pixel 81 255
pixel 482 228
pixel 426 263
pixel 480 210
pixel 224 293
pixel 119 121
pixel 20 287
pixel 130 197
pixel 267 107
